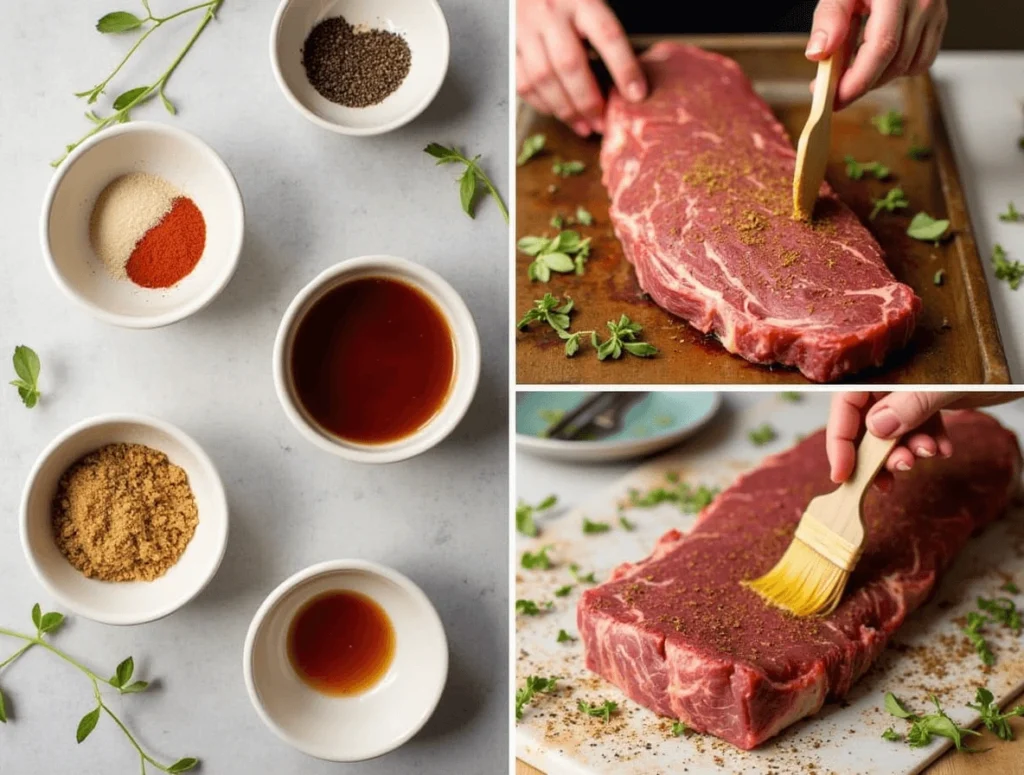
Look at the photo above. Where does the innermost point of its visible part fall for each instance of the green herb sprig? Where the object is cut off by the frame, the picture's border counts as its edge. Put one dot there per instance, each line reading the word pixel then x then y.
pixel 923 728
pixel 972 631
pixel 565 169
pixel 532 145
pixel 564 590
pixel 471 179
pixel 1009 586
pixel 594 528
pixel 623 337
pixel 763 434
pixel 120 22
pixel 603 711
pixel 566 252
pixel 687 498
pixel 49 623
pixel 548 310
pixel 538 560
pixel 985 704
pixel 893 200
pixel 525 513
pixel 1003 611
pixel 889 123
pixel 26 366
pixel 531 608
pixel 1012 214
pixel 564 637
pixel 1011 272
pixel 582 578
pixel 534 685
pixel 679 729
pixel 927 229
pixel 856 170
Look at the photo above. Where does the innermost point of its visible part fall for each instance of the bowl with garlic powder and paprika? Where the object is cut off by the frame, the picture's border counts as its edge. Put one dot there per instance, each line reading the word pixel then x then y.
pixel 142 225
pixel 124 519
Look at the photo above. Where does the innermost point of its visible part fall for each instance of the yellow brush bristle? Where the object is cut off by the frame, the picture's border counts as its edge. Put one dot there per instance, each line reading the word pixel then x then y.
pixel 802 582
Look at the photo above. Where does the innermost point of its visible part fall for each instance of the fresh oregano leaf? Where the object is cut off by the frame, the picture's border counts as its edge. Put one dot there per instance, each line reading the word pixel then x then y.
pixel 168 104
pixel 37 616
pixel 533 246
pixel 135 688
pixel 118 21
pixel 87 724
pixel 3 710
pixel 925 228
pixel 896 708
pixel 51 622
pixel 26 366
pixel 124 672
pixel 183 765
pixel 128 97
pixel 532 145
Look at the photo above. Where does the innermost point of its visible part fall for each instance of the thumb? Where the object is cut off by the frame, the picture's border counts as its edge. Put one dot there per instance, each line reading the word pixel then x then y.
pixel 831 26
pixel 900 413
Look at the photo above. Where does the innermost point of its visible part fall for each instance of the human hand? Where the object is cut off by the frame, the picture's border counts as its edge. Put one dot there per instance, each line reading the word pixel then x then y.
pixel 913 416
pixel 901 37
pixel 552 71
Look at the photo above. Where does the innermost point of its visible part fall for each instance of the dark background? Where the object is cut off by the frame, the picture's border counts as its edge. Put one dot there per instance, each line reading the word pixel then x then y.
pixel 973 24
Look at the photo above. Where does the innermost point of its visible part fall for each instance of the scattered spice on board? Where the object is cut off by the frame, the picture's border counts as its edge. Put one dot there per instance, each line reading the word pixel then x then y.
pixel 145 230
pixel 124 513
pixel 354 68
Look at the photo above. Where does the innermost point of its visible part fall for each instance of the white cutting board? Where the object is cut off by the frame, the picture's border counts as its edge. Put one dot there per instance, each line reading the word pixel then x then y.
pixel 842 738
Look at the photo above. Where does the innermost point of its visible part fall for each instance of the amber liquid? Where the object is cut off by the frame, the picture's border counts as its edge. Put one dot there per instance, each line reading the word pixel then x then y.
pixel 373 360
pixel 341 643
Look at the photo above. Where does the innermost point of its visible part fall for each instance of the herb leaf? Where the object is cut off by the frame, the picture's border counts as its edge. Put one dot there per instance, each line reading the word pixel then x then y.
pixel 26 366
pixel 972 630
pixel 688 499
pixel 940 277
pixel 123 673
pixel 128 97
pixel 678 728
pixel 563 591
pixel 984 703
pixel 603 711
pixel 1002 610
pixel 587 578
pixel 590 528
pixel 564 637
pixel 538 560
pixel 525 523
pixel 889 123
pixel 1010 587
pixel 583 216
pixel 856 170
pixel 892 735
pixel 893 200
pixel 762 435
pixel 919 152
pixel 565 169
pixel 87 724
pixel 554 254
pixel 3 710
pixel 135 688
pixel 896 708
pixel 50 622
pixel 530 608
pixel 626 524
pixel 1011 214
pixel 927 229
pixel 534 684
pixel 118 21
pixel 924 727
pixel 470 177
pixel 532 145
pixel 1012 272
pixel 183 765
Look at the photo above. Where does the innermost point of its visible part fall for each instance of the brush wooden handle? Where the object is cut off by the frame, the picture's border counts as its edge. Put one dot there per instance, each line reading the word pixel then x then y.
pixel 812 148
pixel 846 500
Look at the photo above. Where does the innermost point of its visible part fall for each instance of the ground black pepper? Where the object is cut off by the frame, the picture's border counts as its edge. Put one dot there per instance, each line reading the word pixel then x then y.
pixel 354 68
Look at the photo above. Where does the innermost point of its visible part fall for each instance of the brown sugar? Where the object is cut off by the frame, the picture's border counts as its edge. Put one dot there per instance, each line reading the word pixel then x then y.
pixel 124 513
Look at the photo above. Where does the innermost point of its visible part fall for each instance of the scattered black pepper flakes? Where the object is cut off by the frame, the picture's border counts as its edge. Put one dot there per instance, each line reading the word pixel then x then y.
pixel 353 68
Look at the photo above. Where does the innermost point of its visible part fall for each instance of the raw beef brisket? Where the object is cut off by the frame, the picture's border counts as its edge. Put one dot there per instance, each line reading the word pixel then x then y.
pixel 679 634
pixel 700 178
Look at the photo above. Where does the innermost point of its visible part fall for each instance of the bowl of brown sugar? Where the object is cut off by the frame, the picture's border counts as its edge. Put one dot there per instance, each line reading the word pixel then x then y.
pixel 124 519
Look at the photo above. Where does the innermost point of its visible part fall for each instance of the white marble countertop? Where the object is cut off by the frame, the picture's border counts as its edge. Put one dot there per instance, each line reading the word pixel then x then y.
pixel 312 198
pixel 982 96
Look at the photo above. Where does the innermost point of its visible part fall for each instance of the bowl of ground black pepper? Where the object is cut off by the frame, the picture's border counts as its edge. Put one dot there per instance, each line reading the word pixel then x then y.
pixel 359 67
pixel 142 225
pixel 124 519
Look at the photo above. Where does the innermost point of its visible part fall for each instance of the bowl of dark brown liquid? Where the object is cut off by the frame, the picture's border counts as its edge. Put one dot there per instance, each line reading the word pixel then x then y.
pixel 346 660
pixel 377 359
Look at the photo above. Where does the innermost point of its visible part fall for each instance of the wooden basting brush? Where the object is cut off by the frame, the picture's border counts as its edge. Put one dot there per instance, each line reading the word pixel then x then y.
pixel 810 577
pixel 812 148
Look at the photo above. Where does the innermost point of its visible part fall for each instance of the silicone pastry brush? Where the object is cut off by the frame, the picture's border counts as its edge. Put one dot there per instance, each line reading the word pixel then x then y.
pixel 810 577
pixel 812 149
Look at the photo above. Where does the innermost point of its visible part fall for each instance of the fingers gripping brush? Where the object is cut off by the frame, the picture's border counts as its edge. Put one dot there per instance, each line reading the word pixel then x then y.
pixel 810 577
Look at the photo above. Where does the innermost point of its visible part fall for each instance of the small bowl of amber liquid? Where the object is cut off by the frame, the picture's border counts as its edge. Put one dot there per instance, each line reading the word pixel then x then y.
pixel 346 660
pixel 377 359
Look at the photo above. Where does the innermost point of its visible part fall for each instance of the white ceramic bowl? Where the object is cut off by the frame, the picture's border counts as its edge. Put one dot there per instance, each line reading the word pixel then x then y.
pixel 347 729
pixel 183 160
pixel 421 22
pixel 124 602
pixel 467 358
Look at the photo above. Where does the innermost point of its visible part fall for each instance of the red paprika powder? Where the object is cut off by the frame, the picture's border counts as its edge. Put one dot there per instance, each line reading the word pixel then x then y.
pixel 171 249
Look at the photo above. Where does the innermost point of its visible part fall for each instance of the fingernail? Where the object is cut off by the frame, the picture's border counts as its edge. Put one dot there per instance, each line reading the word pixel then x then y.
pixel 582 128
pixel 945 449
pixel 817 43
pixel 924 452
pixel 883 423
pixel 635 91
pixel 902 465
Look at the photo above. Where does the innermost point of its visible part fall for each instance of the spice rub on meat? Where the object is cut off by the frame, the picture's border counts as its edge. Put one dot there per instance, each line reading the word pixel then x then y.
pixel 700 178
pixel 679 634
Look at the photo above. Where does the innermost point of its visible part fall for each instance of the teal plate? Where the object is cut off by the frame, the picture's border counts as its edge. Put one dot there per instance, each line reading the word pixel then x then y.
pixel 656 422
